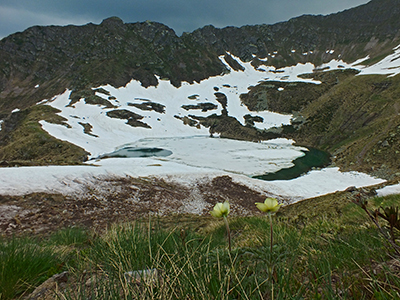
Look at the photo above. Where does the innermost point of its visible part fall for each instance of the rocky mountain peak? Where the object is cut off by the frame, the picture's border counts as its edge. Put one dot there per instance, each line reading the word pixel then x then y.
pixel 112 22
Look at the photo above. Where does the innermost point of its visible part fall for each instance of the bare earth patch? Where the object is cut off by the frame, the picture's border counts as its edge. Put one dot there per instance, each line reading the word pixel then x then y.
pixel 104 201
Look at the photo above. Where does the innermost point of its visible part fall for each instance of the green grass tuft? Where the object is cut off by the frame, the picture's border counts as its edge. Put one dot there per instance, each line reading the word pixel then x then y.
pixel 24 264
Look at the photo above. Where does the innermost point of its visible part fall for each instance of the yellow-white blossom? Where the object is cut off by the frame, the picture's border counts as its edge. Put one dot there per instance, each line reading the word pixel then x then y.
pixel 270 205
pixel 221 210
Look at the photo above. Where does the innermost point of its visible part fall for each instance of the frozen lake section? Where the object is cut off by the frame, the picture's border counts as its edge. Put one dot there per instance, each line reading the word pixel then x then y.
pixel 225 155
pixel 192 159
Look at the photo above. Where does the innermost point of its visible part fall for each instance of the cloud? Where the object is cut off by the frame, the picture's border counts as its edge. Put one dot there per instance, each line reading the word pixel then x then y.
pixel 181 15
pixel 17 19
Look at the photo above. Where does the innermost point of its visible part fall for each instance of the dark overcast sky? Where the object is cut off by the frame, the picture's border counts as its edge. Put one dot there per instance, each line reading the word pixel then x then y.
pixel 181 15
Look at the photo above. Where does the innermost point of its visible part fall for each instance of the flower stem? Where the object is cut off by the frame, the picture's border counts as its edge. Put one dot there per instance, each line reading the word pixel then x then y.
pixel 272 232
pixel 228 231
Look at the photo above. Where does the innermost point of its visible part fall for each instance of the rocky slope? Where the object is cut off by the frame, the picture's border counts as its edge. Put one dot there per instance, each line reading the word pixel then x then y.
pixel 113 52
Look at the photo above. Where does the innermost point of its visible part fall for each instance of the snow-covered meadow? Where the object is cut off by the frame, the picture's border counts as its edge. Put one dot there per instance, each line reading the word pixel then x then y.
pixel 194 154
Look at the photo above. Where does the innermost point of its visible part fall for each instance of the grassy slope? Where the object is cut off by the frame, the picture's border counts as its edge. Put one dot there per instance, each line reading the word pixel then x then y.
pixel 296 95
pixel 357 121
pixel 24 142
pixel 356 118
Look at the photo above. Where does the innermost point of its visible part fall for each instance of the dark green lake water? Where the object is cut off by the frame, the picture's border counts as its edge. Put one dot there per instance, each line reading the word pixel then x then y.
pixel 313 158
pixel 137 152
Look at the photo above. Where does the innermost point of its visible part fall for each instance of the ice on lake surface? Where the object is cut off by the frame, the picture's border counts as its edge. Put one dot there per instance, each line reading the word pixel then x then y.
pixel 192 159
pixel 217 154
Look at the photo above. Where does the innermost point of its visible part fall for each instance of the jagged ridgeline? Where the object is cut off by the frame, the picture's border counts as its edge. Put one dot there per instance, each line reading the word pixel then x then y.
pixel 44 61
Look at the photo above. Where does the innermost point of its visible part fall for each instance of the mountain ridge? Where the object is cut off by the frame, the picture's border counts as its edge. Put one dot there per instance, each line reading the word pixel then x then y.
pixel 115 52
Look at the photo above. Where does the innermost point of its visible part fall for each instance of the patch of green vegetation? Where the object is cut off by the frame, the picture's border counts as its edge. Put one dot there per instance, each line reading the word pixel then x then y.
pixel 206 106
pixel 24 264
pixel 26 143
pixel 90 97
pixel 324 248
pixel 148 105
pixel 72 236
pixel 131 117
pixel 286 97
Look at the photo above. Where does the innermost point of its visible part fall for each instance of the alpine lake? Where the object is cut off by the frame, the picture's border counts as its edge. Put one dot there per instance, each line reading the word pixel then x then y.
pixel 313 158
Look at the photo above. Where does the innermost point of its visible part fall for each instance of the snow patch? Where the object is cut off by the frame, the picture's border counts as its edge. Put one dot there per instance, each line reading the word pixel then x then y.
pixel 71 179
pixel 390 65
pixel 389 190
pixel 291 73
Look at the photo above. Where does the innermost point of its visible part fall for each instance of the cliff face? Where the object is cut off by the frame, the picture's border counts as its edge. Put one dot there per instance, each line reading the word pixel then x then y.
pixel 56 58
